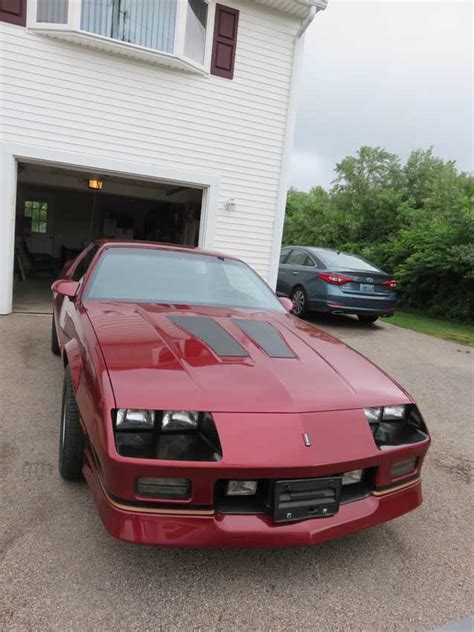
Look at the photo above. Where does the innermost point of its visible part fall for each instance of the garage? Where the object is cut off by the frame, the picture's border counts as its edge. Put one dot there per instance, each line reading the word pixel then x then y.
pixel 59 211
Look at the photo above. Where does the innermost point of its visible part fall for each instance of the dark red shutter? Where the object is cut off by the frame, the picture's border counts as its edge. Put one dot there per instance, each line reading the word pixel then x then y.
pixel 225 41
pixel 13 11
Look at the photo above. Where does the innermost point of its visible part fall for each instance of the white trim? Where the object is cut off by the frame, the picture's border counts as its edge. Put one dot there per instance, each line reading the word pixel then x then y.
pixel 74 15
pixel 211 18
pixel 180 28
pixel 285 164
pixel 11 153
pixel 8 187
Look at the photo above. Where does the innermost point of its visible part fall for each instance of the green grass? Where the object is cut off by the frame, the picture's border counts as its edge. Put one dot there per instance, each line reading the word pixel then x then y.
pixel 455 332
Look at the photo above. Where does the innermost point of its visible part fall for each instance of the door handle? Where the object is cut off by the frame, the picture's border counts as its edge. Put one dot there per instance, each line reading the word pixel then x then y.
pixel 295 273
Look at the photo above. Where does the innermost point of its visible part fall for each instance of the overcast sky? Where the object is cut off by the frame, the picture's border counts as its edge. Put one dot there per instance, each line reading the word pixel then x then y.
pixel 395 74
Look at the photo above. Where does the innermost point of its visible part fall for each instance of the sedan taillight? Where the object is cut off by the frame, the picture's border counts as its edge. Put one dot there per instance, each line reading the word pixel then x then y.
pixel 335 279
pixel 392 284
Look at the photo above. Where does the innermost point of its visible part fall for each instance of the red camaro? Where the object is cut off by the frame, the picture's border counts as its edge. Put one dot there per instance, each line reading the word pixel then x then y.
pixel 202 413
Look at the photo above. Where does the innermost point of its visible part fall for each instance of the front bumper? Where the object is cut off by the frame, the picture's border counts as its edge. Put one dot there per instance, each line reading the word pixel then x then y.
pixel 219 530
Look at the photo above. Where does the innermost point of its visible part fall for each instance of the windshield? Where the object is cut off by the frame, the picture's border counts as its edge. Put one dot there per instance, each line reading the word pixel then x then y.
pixel 343 261
pixel 146 275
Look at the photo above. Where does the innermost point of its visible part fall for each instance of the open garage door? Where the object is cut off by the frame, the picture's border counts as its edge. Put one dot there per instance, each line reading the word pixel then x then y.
pixel 60 211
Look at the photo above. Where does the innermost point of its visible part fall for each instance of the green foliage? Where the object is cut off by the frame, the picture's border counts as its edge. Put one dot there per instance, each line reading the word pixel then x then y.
pixel 416 221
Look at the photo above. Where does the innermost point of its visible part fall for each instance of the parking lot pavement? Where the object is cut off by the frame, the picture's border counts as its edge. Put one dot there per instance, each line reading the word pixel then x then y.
pixel 61 571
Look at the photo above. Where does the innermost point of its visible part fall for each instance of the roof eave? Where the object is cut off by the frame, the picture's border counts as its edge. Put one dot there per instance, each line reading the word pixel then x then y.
pixel 297 8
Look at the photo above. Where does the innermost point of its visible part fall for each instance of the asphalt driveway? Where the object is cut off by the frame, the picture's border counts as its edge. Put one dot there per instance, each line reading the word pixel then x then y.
pixel 61 571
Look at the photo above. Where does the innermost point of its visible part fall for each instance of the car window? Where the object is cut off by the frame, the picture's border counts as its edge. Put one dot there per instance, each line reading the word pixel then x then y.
pixel 149 275
pixel 341 260
pixel 300 258
pixel 84 264
pixel 284 254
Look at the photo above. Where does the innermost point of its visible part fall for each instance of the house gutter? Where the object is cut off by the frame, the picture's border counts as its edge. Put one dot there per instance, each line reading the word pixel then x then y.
pixel 315 7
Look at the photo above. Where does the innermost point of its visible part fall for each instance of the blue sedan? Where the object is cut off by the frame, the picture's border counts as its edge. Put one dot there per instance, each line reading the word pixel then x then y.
pixel 324 280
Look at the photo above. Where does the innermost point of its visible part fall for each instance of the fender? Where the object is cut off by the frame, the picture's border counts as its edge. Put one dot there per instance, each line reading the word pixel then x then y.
pixel 72 358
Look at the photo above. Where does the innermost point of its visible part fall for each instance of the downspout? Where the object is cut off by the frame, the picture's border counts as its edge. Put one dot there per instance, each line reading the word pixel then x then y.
pixel 307 21
pixel 288 141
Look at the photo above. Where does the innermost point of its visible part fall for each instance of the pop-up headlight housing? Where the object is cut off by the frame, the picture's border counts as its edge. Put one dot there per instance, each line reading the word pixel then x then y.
pixel 179 421
pixel 132 419
pixel 178 435
pixel 396 425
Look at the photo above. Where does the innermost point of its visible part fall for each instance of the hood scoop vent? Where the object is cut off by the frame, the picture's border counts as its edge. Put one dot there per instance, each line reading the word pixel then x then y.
pixel 266 337
pixel 212 334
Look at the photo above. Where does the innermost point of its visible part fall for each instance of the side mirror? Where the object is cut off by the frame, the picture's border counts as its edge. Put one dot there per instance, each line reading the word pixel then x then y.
pixel 64 287
pixel 287 303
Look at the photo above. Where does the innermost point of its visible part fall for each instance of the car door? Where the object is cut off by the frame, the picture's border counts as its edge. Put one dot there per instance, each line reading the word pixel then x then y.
pixel 283 279
pixel 300 270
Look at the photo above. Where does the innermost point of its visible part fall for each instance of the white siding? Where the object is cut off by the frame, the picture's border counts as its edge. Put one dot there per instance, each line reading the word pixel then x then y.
pixel 63 96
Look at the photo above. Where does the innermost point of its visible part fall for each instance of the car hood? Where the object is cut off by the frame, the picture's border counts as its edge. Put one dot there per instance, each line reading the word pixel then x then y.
pixel 167 357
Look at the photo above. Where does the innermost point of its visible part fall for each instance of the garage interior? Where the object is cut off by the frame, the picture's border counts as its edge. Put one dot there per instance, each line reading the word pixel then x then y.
pixel 60 211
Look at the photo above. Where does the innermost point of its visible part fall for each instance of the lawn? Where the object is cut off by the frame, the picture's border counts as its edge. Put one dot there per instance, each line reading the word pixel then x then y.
pixel 464 334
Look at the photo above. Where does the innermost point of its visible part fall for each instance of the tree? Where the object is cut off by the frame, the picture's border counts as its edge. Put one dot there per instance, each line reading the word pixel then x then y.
pixel 414 220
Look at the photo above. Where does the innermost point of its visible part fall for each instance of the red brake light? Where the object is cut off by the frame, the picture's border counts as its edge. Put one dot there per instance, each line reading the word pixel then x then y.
pixel 391 284
pixel 335 279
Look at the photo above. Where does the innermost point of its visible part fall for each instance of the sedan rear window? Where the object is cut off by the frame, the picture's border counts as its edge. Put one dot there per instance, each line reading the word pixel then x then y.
pixel 146 275
pixel 342 261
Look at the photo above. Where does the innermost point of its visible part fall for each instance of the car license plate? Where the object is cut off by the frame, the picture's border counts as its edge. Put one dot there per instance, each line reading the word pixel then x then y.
pixel 367 287
pixel 306 498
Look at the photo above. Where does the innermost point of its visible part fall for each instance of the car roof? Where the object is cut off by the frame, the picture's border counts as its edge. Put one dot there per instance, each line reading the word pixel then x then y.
pixel 319 250
pixel 153 245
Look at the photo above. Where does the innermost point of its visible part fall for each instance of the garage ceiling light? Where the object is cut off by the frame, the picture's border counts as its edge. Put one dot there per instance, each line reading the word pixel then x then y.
pixel 94 183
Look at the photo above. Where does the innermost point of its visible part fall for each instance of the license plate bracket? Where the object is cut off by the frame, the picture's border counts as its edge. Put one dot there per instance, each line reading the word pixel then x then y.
pixel 303 499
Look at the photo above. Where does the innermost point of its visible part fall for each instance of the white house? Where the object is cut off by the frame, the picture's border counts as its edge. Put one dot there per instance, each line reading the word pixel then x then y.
pixel 169 120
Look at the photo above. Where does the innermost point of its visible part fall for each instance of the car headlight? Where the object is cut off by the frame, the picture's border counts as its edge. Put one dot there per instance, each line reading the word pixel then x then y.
pixel 396 425
pixel 133 419
pixel 177 435
pixel 179 420
pixel 385 413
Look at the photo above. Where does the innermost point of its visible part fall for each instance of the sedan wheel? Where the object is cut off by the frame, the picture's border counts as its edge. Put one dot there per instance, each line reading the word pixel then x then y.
pixel 300 302
pixel 364 318
pixel 71 440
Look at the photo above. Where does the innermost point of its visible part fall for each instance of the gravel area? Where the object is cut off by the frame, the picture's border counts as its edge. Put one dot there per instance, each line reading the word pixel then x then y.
pixel 61 571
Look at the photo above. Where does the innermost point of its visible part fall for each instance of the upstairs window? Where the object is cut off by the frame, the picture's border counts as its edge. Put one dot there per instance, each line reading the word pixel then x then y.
pixel 148 23
pixel 196 26
pixel 173 32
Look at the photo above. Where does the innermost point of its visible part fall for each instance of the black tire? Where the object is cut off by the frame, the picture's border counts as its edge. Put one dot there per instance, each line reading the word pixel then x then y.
pixel 71 439
pixel 365 318
pixel 54 339
pixel 300 301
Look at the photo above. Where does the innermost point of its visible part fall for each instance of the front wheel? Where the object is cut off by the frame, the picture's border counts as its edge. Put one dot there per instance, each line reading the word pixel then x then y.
pixel 364 318
pixel 300 301
pixel 71 439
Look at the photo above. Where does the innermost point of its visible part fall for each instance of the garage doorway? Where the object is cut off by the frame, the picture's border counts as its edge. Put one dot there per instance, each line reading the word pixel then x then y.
pixel 60 211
